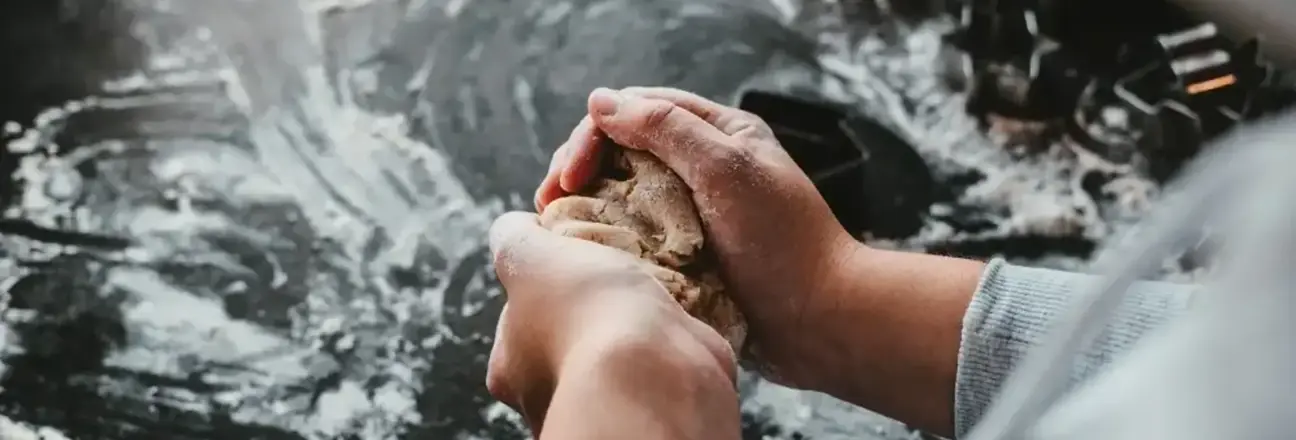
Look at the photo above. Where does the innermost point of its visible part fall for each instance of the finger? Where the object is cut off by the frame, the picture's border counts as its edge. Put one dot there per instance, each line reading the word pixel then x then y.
pixel 574 165
pixel 729 120
pixel 521 247
pixel 706 109
pixel 547 192
pixel 584 162
pixel 683 140
pixel 560 157
pixel 549 188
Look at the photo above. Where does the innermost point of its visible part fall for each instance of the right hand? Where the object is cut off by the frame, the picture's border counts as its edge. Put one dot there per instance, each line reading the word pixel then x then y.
pixel 780 248
pixel 597 310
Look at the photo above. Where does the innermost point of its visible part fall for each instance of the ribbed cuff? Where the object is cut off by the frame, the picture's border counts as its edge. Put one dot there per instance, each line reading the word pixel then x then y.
pixel 1013 308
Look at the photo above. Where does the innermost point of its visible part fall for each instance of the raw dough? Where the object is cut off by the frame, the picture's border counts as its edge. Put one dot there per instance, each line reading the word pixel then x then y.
pixel 644 208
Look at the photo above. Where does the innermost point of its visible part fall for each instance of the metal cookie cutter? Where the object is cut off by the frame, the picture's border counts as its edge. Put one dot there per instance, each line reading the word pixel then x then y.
pixel 873 180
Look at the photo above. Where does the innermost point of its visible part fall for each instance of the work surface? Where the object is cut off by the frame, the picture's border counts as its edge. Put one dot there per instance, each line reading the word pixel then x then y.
pixel 227 224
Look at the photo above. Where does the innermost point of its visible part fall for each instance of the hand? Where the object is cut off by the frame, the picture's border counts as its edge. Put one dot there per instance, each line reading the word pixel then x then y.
pixel 576 307
pixel 780 248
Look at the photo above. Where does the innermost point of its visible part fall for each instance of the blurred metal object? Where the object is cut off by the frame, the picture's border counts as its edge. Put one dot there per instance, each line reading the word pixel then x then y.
pixel 874 181
pixel 1016 70
pixel 1269 20
pixel 1192 85
pixel 1153 94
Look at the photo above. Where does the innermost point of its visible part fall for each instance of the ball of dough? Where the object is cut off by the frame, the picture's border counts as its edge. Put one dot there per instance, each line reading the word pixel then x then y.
pixel 643 208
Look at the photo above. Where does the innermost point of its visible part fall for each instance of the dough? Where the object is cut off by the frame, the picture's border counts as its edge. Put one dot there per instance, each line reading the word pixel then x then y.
pixel 642 207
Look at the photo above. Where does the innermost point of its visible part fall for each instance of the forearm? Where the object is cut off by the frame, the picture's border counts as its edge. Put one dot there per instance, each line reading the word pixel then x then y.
pixel 893 328
pixel 928 340
pixel 658 392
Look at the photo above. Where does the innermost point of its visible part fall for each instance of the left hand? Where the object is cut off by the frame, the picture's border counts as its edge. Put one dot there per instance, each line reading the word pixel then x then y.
pixel 575 305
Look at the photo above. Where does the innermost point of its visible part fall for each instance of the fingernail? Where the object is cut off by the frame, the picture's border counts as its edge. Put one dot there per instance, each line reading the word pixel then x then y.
pixel 605 101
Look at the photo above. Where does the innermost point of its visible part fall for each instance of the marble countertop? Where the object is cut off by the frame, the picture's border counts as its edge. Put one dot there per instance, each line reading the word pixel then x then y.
pixel 265 220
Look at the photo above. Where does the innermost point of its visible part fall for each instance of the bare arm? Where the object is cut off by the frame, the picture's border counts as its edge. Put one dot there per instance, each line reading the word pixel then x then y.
pixel 892 325
pixel 929 340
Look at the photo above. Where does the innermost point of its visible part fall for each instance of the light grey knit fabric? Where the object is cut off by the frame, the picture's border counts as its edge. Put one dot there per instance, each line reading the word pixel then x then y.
pixel 1013 308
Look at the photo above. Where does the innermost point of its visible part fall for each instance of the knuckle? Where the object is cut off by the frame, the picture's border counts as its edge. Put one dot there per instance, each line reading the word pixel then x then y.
pixel 734 156
pixel 727 164
pixel 497 382
pixel 749 117
pixel 499 256
pixel 658 113
pixel 502 243
pixel 749 124
pixel 508 265
pixel 498 388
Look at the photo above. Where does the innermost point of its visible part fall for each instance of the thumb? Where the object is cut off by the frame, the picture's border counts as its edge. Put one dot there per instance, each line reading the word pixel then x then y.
pixel 519 245
pixel 680 138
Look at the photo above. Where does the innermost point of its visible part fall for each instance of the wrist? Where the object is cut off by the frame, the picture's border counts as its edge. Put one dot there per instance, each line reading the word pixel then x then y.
pixel 795 343
pixel 848 310
pixel 652 360
pixel 828 320
pixel 667 349
pixel 621 328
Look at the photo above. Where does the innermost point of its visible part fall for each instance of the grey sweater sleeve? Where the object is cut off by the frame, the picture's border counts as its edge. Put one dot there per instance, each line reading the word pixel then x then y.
pixel 1012 309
